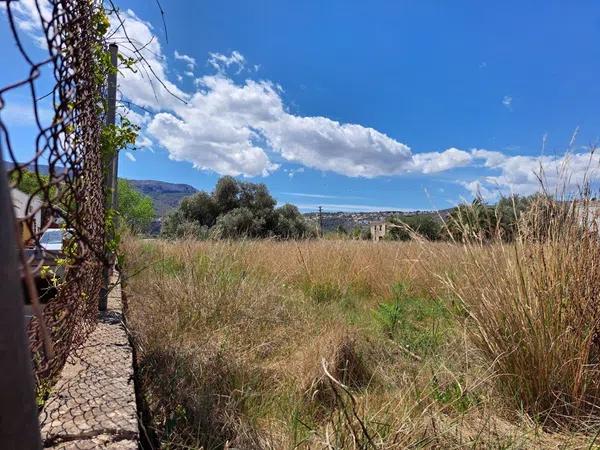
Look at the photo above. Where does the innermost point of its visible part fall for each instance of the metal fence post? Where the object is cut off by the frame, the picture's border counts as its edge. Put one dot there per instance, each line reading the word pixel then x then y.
pixel 111 179
pixel 111 119
pixel 19 426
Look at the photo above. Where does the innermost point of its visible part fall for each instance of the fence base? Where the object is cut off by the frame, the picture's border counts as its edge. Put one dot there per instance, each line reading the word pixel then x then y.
pixel 93 403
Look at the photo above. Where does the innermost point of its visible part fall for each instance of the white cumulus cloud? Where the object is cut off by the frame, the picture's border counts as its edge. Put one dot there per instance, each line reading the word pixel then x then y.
pixel 191 62
pixel 230 128
pixel 292 172
pixel 222 62
pixel 29 19
pixel 220 147
pixel 148 86
pixel 524 174
pixel 20 114
pixel 432 162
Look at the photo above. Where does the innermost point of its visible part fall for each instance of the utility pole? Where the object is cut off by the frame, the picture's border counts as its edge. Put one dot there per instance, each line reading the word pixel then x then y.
pixel 320 222
pixel 111 176
pixel 19 426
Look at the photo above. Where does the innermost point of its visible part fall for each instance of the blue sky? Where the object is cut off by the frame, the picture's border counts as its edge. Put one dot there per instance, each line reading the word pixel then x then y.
pixel 358 105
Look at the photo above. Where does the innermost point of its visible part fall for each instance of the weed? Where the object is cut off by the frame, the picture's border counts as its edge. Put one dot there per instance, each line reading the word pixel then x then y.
pixel 43 391
pixel 323 292
pixel 452 394
pixel 389 315
pixel 417 323
pixel 170 266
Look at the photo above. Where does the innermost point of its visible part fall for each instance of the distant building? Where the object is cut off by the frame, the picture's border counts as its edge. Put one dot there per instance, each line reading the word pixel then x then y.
pixel 28 212
pixel 378 230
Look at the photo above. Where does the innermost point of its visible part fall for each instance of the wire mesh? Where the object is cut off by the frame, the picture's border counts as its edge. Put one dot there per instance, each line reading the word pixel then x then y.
pixel 59 185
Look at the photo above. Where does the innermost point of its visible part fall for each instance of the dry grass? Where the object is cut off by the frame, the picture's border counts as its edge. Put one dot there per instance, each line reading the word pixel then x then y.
pixel 286 345
pixel 535 306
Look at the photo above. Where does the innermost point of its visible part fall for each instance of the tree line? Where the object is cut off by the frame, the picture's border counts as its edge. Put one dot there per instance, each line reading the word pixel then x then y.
pixel 475 220
pixel 235 209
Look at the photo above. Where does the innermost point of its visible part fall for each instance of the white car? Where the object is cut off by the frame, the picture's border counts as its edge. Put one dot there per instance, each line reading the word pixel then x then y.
pixel 53 239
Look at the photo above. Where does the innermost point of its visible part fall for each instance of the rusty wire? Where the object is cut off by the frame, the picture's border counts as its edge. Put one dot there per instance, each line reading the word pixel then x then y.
pixel 66 165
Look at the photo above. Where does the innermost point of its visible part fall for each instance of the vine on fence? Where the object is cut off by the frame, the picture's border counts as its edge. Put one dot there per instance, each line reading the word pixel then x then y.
pixel 62 176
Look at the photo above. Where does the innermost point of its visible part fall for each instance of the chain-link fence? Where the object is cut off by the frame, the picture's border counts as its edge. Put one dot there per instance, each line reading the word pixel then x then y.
pixel 57 184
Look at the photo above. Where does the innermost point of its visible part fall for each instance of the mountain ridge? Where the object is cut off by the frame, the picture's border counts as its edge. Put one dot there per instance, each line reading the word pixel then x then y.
pixel 165 196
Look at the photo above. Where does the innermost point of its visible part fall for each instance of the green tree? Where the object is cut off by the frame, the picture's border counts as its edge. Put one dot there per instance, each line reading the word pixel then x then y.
pixel 170 224
pixel 509 211
pixel 226 194
pixel 476 220
pixel 291 224
pixel 480 221
pixel 28 182
pixel 425 225
pixel 255 197
pixel 239 222
pixel 136 209
pixel 200 207
pixel 176 226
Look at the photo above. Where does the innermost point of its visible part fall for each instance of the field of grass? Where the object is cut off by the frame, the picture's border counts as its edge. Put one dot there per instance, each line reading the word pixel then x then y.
pixel 353 344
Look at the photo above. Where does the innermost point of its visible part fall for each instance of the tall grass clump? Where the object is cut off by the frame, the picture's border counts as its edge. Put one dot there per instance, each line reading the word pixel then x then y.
pixel 534 303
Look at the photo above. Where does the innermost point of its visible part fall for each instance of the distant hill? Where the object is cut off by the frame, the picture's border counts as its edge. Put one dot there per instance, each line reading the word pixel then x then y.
pixel 42 168
pixel 350 220
pixel 166 196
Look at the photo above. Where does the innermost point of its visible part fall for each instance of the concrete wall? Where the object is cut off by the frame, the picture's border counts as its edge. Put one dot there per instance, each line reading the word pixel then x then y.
pixel 378 231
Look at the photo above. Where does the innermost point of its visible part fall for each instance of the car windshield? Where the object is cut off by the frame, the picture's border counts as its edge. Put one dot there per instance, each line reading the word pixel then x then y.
pixel 52 237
